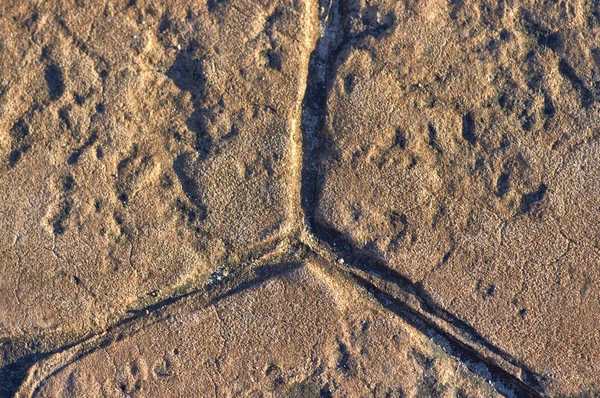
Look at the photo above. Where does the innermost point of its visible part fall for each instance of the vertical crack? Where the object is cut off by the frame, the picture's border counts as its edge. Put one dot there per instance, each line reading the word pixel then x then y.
pixel 314 104
pixel 312 39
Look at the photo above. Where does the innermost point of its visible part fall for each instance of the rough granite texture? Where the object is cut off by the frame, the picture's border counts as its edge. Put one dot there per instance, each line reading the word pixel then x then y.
pixel 299 198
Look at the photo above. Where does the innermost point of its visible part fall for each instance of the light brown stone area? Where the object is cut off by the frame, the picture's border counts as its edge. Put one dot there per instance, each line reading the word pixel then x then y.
pixel 312 198
pixel 463 141
pixel 141 146
pixel 299 335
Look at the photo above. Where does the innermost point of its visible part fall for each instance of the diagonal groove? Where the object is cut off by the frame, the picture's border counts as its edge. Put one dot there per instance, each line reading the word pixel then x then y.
pixel 360 260
pixel 460 340
pixel 270 266
pixel 504 381
pixel 17 372
pixel 469 356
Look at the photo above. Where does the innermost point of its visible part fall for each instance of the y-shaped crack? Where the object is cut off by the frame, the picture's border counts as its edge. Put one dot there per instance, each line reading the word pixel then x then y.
pixel 307 240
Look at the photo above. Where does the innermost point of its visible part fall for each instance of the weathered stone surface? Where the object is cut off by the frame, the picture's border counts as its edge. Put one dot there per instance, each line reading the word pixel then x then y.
pixel 302 334
pixel 462 151
pixel 141 146
pixel 299 198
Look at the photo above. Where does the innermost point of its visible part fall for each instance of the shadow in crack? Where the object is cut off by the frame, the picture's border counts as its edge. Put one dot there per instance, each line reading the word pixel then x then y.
pixel 331 51
pixel 348 28
pixel 20 355
pixel 469 356
pixel 263 274
pixel 13 373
